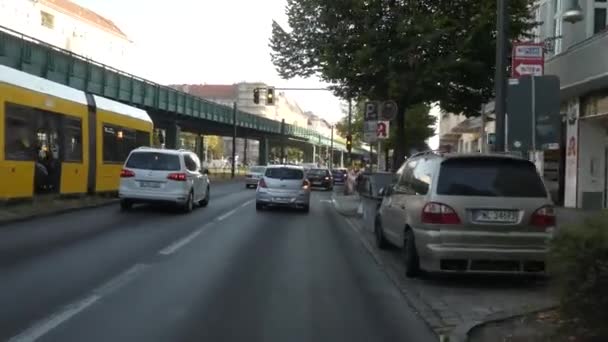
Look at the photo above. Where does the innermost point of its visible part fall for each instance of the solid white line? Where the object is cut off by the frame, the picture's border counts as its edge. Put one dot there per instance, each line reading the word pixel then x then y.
pixel 120 280
pixel 226 215
pixel 172 248
pixel 325 201
pixel 41 328
pixel 246 203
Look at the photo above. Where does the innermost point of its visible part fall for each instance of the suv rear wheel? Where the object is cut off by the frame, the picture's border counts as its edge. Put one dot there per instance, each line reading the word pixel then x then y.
pixel 410 255
pixel 205 201
pixel 125 205
pixel 189 205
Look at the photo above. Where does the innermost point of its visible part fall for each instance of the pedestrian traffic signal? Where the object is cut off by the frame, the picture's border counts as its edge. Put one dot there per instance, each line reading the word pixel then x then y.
pixel 256 95
pixel 270 96
pixel 349 143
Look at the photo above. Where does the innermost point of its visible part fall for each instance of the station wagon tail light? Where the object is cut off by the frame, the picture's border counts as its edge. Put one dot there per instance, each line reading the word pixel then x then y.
pixel 262 183
pixel 543 217
pixel 178 177
pixel 438 213
pixel 124 173
pixel 305 185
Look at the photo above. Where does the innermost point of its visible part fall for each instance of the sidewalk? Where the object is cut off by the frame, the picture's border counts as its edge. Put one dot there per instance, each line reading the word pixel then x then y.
pixel 53 204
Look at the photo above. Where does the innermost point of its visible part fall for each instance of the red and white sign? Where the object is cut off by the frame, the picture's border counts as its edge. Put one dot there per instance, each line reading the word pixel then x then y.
pixel 382 130
pixel 528 59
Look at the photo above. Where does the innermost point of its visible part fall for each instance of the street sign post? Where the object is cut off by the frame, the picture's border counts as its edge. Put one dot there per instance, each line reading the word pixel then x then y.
pixel 370 131
pixel 371 110
pixel 382 130
pixel 528 59
pixel 388 110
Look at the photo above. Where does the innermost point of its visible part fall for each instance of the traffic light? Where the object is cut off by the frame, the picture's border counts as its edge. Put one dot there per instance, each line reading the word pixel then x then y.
pixel 256 95
pixel 270 96
pixel 349 143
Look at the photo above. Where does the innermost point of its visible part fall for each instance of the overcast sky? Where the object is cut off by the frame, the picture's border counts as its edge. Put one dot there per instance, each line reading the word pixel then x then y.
pixel 209 41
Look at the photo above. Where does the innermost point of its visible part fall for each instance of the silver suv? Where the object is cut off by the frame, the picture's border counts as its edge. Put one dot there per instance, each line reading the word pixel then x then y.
pixel 163 176
pixel 467 213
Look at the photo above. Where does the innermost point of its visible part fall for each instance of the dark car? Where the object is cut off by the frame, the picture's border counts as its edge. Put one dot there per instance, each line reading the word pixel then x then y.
pixel 320 178
pixel 339 175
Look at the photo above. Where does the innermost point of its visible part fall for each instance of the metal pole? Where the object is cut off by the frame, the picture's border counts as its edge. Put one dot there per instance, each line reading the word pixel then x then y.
pixel 283 141
pixel 245 142
pixel 533 118
pixel 378 154
pixel 233 139
pixel 331 149
pixel 350 119
pixel 501 77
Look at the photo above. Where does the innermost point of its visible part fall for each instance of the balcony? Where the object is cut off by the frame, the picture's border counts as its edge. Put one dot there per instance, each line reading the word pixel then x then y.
pixel 582 68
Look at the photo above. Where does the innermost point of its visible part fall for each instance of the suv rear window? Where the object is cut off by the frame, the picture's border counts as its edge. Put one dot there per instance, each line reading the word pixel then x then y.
pixel 318 172
pixel 154 161
pixel 491 177
pixel 284 173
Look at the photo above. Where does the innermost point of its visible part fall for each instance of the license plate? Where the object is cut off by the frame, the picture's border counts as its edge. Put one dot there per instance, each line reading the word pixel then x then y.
pixel 317 183
pixel 154 185
pixel 282 199
pixel 500 216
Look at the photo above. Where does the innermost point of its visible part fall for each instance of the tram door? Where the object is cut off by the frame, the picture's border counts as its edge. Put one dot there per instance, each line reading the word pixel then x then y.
pixel 47 176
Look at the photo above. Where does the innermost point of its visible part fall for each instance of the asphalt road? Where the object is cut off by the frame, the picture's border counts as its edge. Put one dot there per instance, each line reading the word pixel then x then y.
pixel 221 273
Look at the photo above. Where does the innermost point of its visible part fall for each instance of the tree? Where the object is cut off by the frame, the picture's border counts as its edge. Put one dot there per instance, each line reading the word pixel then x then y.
pixel 411 51
pixel 215 145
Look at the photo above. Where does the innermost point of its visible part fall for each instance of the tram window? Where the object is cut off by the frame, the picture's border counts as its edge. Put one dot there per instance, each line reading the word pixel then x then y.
pixel 20 133
pixel 72 140
pixel 142 138
pixel 118 142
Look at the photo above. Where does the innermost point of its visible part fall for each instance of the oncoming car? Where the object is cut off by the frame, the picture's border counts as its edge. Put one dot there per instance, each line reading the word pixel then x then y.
pixel 283 186
pixel 163 176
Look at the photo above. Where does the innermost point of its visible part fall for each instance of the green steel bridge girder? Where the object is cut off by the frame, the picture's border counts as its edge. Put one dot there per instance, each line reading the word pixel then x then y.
pixel 41 59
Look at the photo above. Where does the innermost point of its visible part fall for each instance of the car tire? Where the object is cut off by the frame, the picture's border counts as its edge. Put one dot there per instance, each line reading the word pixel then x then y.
pixel 410 255
pixel 125 205
pixel 189 205
pixel 381 242
pixel 247 186
pixel 205 201
pixel 306 209
pixel 259 206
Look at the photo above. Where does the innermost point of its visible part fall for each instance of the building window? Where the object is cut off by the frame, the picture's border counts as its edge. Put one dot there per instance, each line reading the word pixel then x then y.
pixel 47 19
pixel 599 16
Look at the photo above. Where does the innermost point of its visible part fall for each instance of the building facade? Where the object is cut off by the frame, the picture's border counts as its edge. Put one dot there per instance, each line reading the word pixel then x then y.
pixel 67 25
pixel 578 55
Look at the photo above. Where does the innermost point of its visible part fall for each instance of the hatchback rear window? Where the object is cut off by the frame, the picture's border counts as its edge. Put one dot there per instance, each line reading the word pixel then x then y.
pixel 318 172
pixel 284 173
pixel 491 177
pixel 154 161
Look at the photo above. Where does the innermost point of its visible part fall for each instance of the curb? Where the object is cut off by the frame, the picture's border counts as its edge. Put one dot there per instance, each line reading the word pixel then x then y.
pixel 57 212
pixel 461 332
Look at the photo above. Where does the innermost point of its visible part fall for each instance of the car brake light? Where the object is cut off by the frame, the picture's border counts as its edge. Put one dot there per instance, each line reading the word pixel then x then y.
pixel 543 217
pixel 438 213
pixel 262 183
pixel 305 185
pixel 124 173
pixel 179 177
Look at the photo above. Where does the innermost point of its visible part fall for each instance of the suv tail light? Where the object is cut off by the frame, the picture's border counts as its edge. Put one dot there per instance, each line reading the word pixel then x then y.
pixel 543 217
pixel 178 177
pixel 438 213
pixel 262 183
pixel 124 173
pixel 305 185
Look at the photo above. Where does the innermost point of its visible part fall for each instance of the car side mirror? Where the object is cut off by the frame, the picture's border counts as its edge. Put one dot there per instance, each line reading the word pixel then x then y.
pixel 381 192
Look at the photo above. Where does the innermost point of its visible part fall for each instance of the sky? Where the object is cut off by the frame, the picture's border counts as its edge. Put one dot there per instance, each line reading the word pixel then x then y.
pixel 209 41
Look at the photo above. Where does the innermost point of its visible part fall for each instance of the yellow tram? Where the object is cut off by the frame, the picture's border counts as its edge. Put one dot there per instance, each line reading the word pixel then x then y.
pixel 57 139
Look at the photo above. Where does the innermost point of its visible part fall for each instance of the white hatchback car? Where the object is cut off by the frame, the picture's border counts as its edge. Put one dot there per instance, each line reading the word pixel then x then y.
pixel 283 186
pixel 163 176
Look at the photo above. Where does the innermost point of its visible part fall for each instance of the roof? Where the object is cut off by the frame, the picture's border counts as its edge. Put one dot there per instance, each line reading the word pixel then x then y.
pixel 86 14
pixel 38 84
pixel 275 166
pixel 160 150
pixel 209 90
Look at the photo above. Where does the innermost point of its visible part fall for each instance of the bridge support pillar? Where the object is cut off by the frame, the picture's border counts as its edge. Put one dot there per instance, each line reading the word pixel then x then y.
pixel 341 159
pixel 314 154
pixel 264 149
pixel 200 147
pixel 172 136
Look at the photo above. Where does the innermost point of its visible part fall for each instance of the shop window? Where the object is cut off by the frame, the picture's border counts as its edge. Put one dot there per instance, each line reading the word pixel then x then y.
pixel 47 19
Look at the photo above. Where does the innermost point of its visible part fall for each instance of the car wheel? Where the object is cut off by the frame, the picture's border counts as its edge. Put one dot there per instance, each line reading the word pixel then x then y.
pixel 205 201
pixel 306 209
pixel 247 186
pixel 379 234
pixel 259 206
pixel 189 205
pixel 410 255
pixel 125 205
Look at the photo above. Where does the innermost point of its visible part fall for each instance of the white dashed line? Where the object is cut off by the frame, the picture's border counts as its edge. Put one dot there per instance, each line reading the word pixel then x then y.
pixel 120 280
pixel 172 248
pixel 246 203
pixel 226 215
pixel 43 327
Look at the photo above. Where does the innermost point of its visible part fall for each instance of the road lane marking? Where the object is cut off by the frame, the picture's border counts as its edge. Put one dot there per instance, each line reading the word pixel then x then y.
pixel 325 201
pixel 43 327
pixel 172 248
pixel 246 203
pixel 226 215
pixel 120 280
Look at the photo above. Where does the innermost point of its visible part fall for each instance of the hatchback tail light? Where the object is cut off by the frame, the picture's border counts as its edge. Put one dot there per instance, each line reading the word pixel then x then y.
pixel 543 217
pixel 262 183
pixel 305 185
pixel 124 173
pixel 438 213
pixel 179 177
